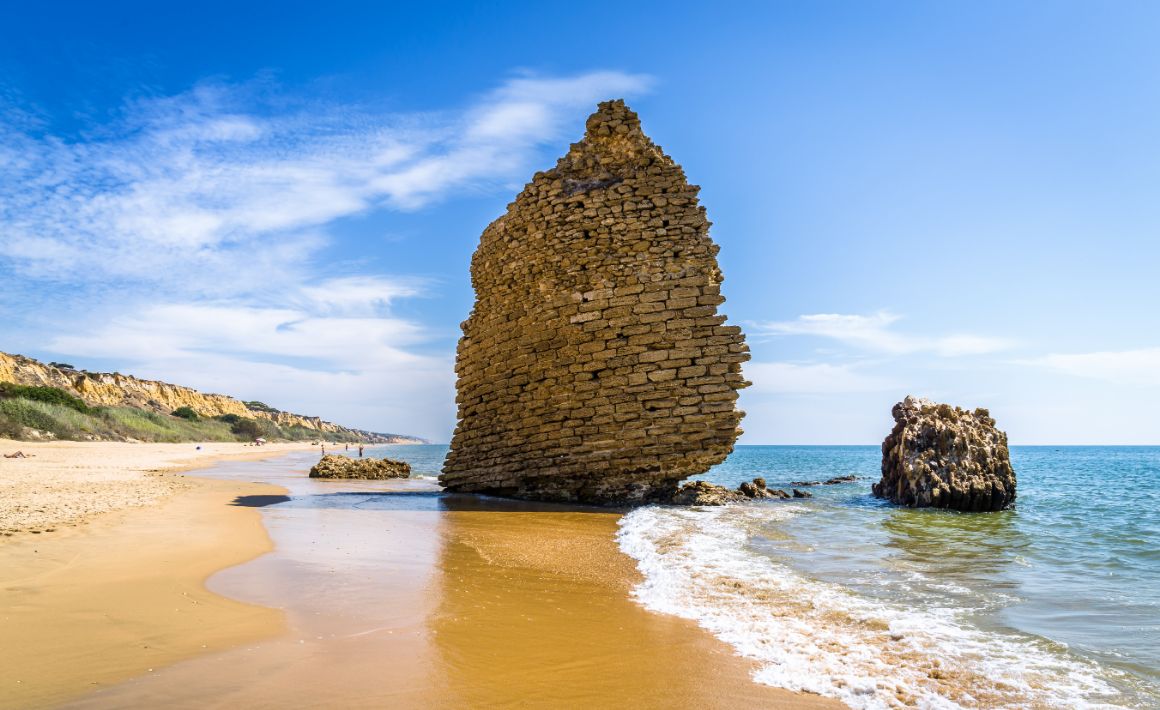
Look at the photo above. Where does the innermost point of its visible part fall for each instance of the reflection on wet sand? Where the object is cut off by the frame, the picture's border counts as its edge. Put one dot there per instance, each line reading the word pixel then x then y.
pixel 535 610
pixel 397 595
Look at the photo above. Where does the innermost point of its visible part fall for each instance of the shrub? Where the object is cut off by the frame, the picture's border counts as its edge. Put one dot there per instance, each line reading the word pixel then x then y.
pixel 249 428
pixel 186 413
pixel 10 429
pixel 229 418
pixel 256 406
pixel 50 395
pixel 25 413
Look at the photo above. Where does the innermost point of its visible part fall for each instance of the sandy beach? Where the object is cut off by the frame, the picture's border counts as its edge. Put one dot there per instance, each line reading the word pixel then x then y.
pixel 372 594
pixel 65 483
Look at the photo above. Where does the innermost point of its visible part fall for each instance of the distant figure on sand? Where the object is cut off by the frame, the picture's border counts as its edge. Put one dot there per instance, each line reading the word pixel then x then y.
pixel 346 447
pixel 324 449
pixel 360 451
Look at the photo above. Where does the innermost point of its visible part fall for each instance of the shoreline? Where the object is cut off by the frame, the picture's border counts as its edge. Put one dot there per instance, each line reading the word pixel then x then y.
pixel 396 595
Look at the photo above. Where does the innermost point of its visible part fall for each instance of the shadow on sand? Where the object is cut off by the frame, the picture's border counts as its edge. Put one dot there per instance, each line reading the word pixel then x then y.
pixel 434 501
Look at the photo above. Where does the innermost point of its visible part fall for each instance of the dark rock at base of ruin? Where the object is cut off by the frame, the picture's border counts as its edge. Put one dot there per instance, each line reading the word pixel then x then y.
pixel 594 366
pixel 939 456
pixel 704 493
pixel 758 489
pixel 802 494
pixel 333 466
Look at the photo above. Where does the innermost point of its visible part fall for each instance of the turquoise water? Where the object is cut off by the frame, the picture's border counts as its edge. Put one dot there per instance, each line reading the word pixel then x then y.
pixel 1055 603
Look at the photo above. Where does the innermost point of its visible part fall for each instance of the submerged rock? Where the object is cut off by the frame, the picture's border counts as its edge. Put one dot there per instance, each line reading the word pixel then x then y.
pixel 594 366
pixel 836 480
pixel 802 494
pixel 333 466
pixel 939 456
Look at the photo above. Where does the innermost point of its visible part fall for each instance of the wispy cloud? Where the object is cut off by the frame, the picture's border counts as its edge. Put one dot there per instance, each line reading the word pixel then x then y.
pixel 1128 367
pixel 215 183
pixel 337 342
pixel 875 332
pixel 813 378
pixel 199 220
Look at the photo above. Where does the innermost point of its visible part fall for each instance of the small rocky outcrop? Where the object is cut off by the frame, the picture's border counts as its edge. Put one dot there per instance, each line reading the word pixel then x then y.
pixel 939 456
pixel 332 466
pixel 836 480
pixel 705 493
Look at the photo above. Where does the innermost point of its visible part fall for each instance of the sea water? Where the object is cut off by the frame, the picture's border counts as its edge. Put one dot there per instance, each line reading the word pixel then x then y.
pixel 1055 603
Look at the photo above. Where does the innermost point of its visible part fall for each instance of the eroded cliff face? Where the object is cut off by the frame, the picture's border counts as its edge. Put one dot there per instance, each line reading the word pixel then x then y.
pixel 941 456
pixel 102 389
pixel 594 366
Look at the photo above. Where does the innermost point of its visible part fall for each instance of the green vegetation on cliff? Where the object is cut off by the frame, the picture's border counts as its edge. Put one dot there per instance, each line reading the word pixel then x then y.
pixel 34 412
pixel 50 395
pixel 119 407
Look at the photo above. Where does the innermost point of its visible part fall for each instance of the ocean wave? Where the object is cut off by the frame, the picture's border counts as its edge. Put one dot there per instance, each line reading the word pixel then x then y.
pixel 819 637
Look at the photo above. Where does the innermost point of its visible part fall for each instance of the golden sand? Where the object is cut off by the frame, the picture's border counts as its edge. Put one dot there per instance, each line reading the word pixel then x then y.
pixel 449 602
pixel 125 595
pixel 64 483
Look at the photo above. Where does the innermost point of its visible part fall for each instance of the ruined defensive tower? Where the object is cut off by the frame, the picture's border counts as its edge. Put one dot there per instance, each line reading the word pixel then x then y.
pixel 594 366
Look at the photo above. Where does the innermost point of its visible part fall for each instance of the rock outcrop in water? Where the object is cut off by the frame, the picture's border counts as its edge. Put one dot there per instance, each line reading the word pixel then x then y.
pixel 940 456
pixel 594 366
pixel 332 466
pixel 705 493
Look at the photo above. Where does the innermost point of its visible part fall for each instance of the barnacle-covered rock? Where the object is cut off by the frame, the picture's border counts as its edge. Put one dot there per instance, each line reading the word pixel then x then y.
pixel 332 466
pixel 939 456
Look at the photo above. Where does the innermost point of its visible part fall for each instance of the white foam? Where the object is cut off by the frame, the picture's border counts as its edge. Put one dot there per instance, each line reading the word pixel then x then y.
pixel 818 637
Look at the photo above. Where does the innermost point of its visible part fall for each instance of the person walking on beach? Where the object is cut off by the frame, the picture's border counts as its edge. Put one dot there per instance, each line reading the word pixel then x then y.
pixel 360 451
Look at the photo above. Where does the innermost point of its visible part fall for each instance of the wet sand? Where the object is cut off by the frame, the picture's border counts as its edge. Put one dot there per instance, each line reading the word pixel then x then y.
pixel 398 596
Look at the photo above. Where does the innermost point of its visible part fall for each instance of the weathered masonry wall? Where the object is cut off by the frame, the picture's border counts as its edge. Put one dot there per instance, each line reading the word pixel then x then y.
pixel 594 366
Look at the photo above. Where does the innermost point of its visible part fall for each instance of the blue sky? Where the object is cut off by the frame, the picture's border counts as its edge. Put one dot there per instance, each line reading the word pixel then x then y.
pixel 957 200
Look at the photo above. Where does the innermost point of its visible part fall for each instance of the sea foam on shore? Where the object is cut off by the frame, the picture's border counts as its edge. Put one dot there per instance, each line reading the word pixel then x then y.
pixel 818 637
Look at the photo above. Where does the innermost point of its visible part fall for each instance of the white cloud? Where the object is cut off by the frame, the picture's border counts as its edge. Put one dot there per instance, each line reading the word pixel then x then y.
pixel 1128 367
pixel 189 188
pixel 812 378
pixel 191 215
pixel 874 332
pixel 337 343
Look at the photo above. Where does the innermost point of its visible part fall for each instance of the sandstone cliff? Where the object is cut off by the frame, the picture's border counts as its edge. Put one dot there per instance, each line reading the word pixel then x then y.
pixel 945 457
pixel 594 365
pixel 102 389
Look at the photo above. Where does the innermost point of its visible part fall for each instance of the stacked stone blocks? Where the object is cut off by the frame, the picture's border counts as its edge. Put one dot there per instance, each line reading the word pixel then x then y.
pixel 594 365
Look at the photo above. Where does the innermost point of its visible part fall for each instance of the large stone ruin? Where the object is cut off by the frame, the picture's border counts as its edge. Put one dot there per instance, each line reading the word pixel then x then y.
pixel 594 366
pixel 939 456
